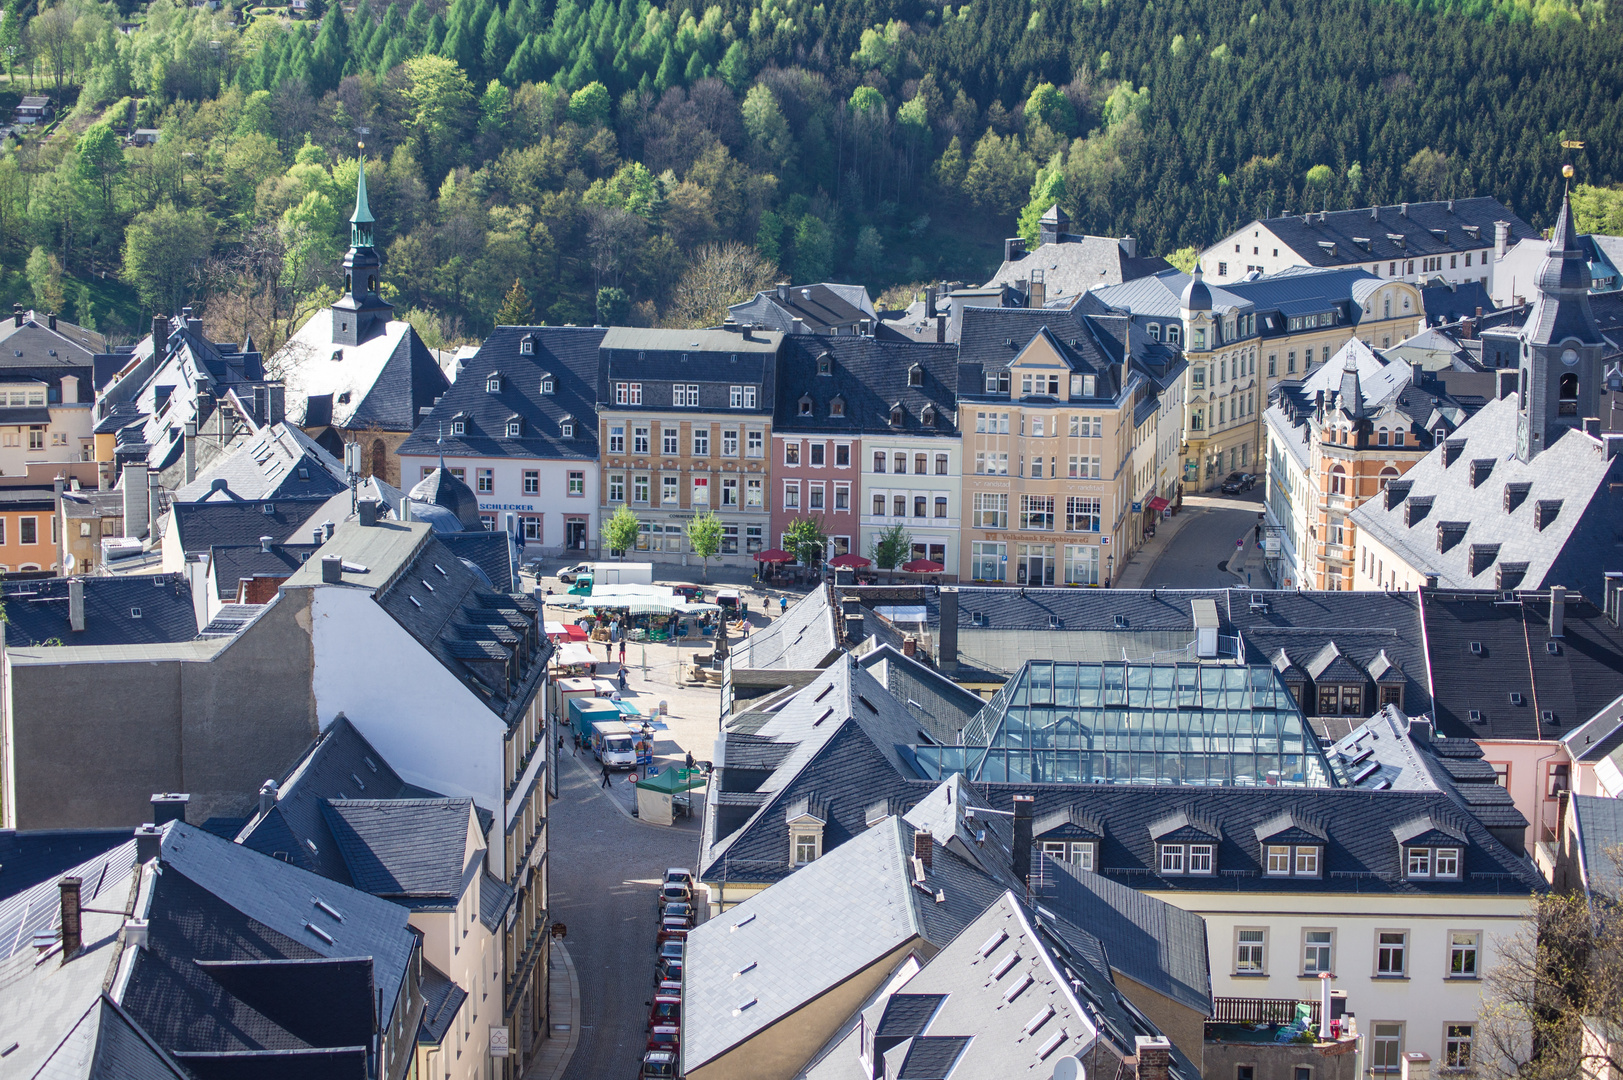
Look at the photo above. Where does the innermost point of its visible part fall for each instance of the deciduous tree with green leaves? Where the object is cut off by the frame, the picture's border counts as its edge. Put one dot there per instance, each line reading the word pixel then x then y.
pixel 164 249
pixel 805 540
pixel 620 531
pixel 704 537
pixel 890 547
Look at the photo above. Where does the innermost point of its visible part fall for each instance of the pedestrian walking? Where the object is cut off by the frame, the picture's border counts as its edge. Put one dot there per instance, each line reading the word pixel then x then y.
pixel 622 652
pixel 783 605
pixel 577 744
pixel 605 774
pixel 623 676
pixel 614 630
pixel 690 760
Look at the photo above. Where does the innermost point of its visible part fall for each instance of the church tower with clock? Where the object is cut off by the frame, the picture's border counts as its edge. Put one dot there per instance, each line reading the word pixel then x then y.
pixel 1560 376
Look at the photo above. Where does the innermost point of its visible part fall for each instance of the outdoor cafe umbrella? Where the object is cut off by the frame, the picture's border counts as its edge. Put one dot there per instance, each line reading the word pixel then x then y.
pixel 774 555
pixel 923 566
pixel 850 561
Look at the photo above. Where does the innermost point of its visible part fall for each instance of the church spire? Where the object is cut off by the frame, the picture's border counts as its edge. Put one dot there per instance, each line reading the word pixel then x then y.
pixel 360 222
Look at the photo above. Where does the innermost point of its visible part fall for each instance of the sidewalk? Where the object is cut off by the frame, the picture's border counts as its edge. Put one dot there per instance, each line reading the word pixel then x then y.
pixel 563 1012
pixel 1136 571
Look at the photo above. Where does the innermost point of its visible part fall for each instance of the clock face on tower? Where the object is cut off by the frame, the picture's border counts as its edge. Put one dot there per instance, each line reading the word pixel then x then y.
pixel 1569 357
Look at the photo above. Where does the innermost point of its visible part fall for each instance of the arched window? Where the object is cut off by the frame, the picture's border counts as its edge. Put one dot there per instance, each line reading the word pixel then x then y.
pixel 1174 334
pixel 1568 393
pixel 380 459
pixel 1388 475
pixel 1338 481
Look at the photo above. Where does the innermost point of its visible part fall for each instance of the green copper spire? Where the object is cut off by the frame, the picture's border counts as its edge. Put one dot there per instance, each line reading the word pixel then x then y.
pixel 360 231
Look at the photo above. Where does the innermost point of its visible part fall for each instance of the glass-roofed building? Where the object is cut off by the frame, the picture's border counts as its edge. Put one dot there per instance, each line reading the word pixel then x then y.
pixel 1204 724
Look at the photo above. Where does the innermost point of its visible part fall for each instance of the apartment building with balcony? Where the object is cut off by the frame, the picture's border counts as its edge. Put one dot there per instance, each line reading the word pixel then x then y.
pixel 1049 402
pixel 853 416
pixel 685 426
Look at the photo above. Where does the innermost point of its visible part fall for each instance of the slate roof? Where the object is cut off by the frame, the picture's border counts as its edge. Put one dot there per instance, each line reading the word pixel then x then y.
pixel 1599 825
pixel 992 337
pixel 848 735
pixel 739 977
pixel 407 849
pixel 492 552
pixel 30 857
pixel 1452 301
pixel 868 377
pixel 1426 228
pixel 105 1044
pixel 1077 263
pixel 203 525
pixel 821 308
pixel 232 564
pixel 569 355
pixel 279 462
pixel 1156 944
pixel 805 638
pixel 441 1000
pixel 36 611
pixel 940 705
pixel 1573 683
pixel 75 346
pixel 387 382
pixel 1572 475
pixel 1597 737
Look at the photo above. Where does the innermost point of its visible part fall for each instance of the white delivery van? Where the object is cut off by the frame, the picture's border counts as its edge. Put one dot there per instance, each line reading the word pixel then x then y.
pixel 614 744
pixel 622 573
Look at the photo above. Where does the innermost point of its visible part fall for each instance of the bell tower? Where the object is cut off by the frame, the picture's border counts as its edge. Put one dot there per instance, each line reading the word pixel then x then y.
pixel 360 309
pixel 1560 364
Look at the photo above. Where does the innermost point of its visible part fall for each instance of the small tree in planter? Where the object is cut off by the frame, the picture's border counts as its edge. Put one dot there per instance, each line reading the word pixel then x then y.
pixel 620 531
pixel 891 547
pixel 805 540
pixel 704 536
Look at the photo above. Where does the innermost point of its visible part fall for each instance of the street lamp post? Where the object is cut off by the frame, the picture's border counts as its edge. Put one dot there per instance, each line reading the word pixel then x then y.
pixel 1110 569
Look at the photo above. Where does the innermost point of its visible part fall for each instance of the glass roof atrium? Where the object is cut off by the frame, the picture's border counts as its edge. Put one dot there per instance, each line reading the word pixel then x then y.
pixel 1222 724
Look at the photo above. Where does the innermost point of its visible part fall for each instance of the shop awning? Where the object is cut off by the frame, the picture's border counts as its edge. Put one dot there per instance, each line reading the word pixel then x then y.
pixel 1157 504
pixel 572 652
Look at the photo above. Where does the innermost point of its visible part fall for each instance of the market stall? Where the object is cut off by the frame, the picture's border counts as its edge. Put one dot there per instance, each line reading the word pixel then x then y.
pixel 658 795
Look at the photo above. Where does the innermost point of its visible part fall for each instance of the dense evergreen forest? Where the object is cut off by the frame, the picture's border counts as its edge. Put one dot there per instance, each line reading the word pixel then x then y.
pixel 568 161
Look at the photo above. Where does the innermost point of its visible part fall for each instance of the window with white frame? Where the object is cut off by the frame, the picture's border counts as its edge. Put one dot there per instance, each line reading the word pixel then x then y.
pixel 1078 852
pixel 1200 858
pixel 1250 951
pixel 752 494
pixel 815 453
pixel 806 844
pixel 1171 858
pixel 701 440
pixel 1307 860
pixel 701 491
pixel 791 495
pixel 669 438
pixel 1457 1046
pixel 814 497
pixel 791 454
pixel 1391 953
pixel 1318 951
pixel 668 489
pixel 484 480
pixel 749 397
pixel 693 395
pixel 617 487
pixel 1386 1047
pixel 1463 948
pixel 729 492
pixel 754 440
pixel 842 497
pixel 729 442
pixel 515 428
pixel 639 488
pixel 1279 859
pixel 991 510
pixel 639 439
pixel 577 484
pixel 617 438
pixel 735 397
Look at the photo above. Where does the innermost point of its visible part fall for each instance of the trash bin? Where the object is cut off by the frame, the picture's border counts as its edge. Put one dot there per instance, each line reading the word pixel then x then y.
pixel 663 709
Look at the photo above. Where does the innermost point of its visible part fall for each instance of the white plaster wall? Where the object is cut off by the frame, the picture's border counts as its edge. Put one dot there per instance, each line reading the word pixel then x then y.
pixel 553 501
pixel 430 727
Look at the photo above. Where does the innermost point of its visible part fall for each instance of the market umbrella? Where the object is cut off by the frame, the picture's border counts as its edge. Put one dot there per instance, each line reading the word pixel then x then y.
pixel 774 555
pixel 850 561
pixel 923 566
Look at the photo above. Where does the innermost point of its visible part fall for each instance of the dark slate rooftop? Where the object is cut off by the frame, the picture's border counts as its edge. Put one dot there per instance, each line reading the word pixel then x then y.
pixel 280 462
pixel 1073 263
pixel 992 337
pixel 1560 530
pixel 1453 301
pixel 442 998
pixel 940 705
pixel 1513 655
pixel 566 355
pixel 385 383
pixel 805 638
pixel 714 360
pixel 821 308
pixel 1426 229
pixel 1599 824
pixel 228 523
pixel 410 850
pixel 491 552
pixel 232 564
pixel 1598 736
pixel 137 610
pixel 867 377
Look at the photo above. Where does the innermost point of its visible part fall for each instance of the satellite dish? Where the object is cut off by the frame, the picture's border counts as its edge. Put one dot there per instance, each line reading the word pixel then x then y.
pixel 1069 1068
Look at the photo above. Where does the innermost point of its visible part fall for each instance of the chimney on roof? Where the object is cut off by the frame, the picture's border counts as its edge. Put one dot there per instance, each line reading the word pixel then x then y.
pixel 1416 1066
pixel 72 918
pixel 191 451
pixel 946 646
pixel 50 320
pixel 368 511
pixel 1431 581
pixel 160 337
pixel 1014 248
pixel 940 328
pixel 327 528
pixel 154 496
pixel 1612 442
pixel 1507 383
pixel 910 646
pixel 169 806
pixel 1558 610
pixel 924 848
pixel 929 301
pixel 1501 238
pixel 512 524
pixel 16 314
pixel 1592 427
pixel 797 325
pixel 1129 246
pixel 332 570
pixel 1420 730
pixel 1154 1057
pixel 783 291
pixel 1037 293
pixel 315 535
pixel 76 603
pixel 1022 837
pixel 148 842
pixel 135 499
pixel 1403 209
pixel 265 543
pixel 268 793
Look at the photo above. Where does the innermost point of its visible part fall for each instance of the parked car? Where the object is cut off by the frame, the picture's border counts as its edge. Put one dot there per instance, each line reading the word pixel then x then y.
pixel 665 1009
pixel 569 573
pixel 678 911
pixel 668 989
pixel 679 875
pixel 671 950
pixel 1234 483
pixel 658 1065
pixel 663 1037
pixel 668 970
pixel 673 930
pixel 674 892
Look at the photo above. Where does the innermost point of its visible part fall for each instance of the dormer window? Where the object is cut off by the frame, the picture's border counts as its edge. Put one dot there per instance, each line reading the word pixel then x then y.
pixel 1077 852
pixel 1187 858
pixel 546 382
pixel 1436 863
pixel 915 375
pixel 1155 331
pixel 526 346
pixel 1288 860
pixel 896 415
pixel 805 405
pixel 515 428
pixel 806 819
pixel 493 383
pixel 459 427
pixel 836 407
pixel 566 427
pixel 1174 334
pixel 927 415
pixel 825 364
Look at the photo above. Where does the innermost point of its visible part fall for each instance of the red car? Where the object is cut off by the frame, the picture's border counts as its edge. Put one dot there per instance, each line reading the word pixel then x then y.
pixel 666 1009
pixel 663 1037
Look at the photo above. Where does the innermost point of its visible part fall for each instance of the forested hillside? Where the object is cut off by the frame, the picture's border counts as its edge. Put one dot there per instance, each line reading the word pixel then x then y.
pixel 623 161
